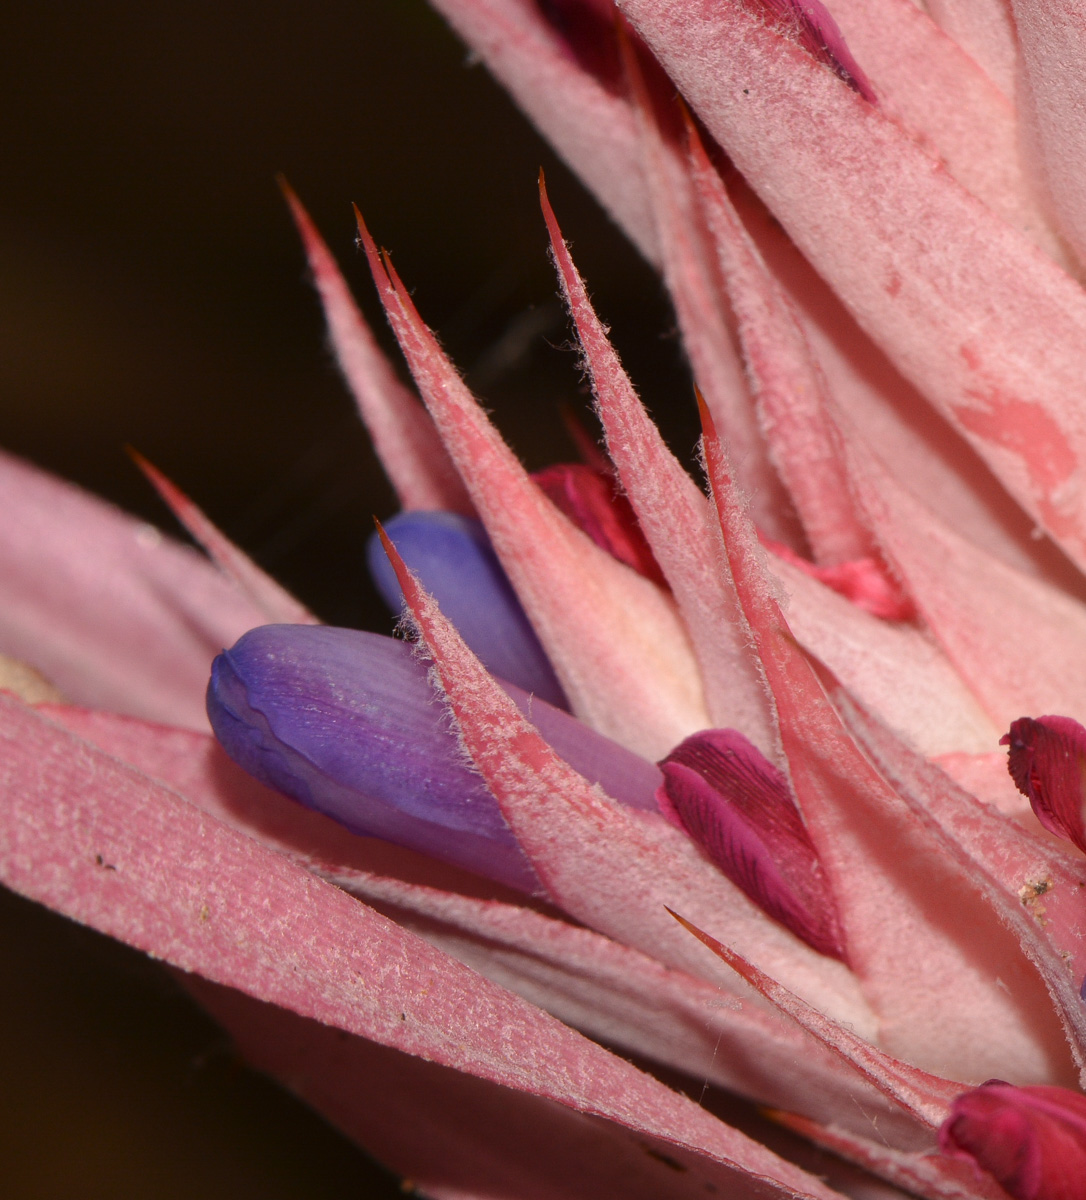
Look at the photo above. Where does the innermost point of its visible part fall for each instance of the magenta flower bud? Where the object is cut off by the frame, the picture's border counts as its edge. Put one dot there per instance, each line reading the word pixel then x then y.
pixel 1047 761
pixel 347 723
pixel 739 809
pixel 1032 1140
pixel 453 558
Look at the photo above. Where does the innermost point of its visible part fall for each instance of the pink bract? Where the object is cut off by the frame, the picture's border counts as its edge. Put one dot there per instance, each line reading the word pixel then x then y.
pixel 868 217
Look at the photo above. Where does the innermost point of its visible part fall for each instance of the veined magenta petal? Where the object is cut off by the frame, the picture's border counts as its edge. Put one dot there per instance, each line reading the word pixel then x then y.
pixel 739 809
pixel 108 609
pixel 594 504
pixel 453 557
pixel 1047 761
pixel 401 431
pixel 991 331
pixel 620 650
pixel 273 600
pixel 1031 1139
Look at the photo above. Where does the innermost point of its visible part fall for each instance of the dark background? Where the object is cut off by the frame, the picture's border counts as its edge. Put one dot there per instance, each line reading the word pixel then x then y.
pixel 153 293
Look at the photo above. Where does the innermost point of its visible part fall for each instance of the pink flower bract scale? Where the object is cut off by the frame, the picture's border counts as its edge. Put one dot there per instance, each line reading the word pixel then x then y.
pixel 867 215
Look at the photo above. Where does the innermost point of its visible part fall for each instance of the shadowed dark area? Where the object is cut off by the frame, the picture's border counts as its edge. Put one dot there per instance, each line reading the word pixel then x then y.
pixel 154 294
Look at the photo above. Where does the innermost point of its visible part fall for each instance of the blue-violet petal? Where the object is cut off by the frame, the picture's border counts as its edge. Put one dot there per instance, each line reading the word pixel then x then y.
pixel 347 723
pixel 453 559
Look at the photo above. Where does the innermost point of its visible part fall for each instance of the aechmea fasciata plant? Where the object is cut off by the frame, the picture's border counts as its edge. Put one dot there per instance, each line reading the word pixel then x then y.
pixel 701 768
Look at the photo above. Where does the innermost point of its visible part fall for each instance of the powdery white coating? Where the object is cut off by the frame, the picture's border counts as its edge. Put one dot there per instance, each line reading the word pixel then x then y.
pixel 111 848
pixel 902 898
pixel 111 612
pixel 988 329
pixel 675 518
pixel 273 600
pixel 403 435
pixel 617 644
pixel 1018 643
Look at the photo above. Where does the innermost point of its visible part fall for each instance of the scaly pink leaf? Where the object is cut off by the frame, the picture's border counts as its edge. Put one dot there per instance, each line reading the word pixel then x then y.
pixel 786 380
pixel 1042 877
pixel 675 518
pixel 926 1096
pixel 892 417
pixel 618 995
pixel 932 85
pixel 989 330
pixel 922 1174
pixel 453 1136
pixel 896 670
pixel 402 434
pixel 985 29
pixel 903 900
pixel 274 601
pixel 108 609
pixel 613 869
pixel 970 600
pixel 1052 95
pixel 109 847
pixel 616 642
pixel 692 273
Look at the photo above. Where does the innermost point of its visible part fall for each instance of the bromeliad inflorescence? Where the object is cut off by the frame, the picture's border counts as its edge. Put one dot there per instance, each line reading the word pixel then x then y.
pixel 705 768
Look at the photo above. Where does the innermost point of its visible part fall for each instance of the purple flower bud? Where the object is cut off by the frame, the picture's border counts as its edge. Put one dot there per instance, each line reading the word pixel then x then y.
pixel 453 558
pixel 739 809
pixel 347 723
pixel 1031 1139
